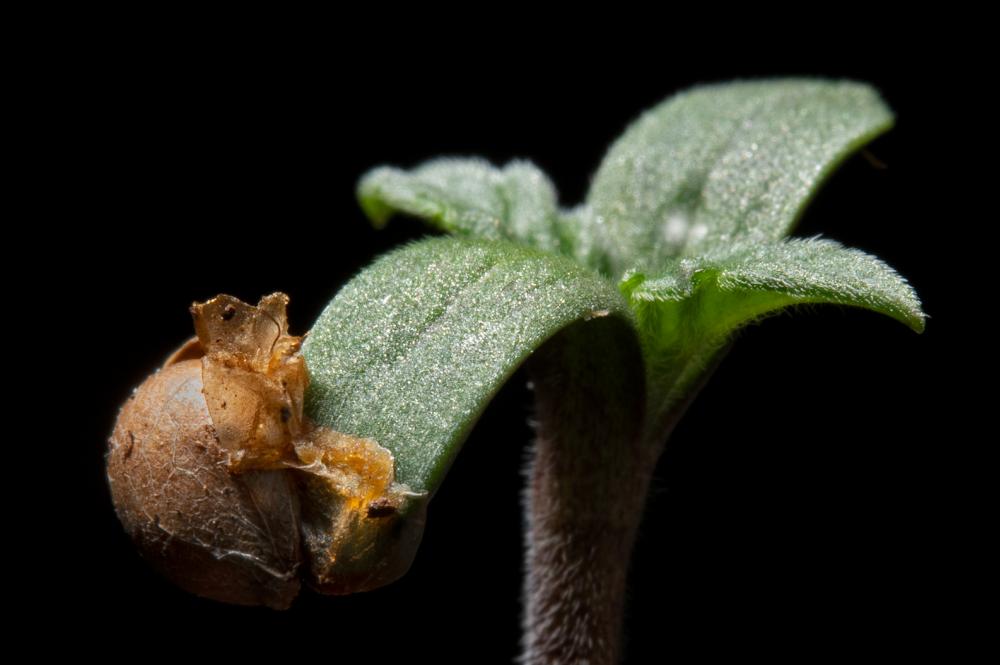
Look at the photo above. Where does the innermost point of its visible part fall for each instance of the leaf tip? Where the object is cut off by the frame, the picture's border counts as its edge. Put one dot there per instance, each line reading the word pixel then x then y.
pixel 917 320
pixel 909 310
pixel 370 198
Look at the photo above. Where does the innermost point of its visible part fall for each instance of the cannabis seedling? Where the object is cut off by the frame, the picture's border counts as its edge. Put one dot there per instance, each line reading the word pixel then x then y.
pixel 621 307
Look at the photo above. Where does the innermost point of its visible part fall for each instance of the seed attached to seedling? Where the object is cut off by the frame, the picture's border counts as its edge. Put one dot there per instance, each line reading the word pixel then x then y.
pixel 226 488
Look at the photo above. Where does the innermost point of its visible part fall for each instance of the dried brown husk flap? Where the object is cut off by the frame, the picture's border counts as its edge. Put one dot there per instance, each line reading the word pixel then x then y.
pixel 254 380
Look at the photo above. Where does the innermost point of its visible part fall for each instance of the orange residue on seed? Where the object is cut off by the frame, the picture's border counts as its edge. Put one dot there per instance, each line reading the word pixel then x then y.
pixel 359 470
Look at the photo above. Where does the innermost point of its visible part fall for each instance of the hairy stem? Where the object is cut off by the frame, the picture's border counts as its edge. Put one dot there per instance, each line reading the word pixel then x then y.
pixel 587 484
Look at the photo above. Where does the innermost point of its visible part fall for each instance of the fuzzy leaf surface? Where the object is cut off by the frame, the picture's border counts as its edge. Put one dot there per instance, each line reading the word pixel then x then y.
pixel 721 163
pixel 468 197
pixel 411 351
pixel 690 310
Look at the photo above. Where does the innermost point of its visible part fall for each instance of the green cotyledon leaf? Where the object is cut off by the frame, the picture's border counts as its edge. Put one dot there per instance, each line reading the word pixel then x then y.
pixel 469 197
pixel 689 310
pixel 411 351
pixel 721 163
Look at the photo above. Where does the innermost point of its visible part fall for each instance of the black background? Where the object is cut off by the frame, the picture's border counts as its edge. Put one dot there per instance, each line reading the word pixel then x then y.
pixel 799 504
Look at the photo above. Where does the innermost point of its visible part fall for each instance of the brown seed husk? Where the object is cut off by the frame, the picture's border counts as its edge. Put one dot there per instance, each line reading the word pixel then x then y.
pixel 210 460
pixel 233 538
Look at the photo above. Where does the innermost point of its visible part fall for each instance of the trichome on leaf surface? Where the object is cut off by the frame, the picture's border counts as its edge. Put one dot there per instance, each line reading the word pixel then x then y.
pixel 254 456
